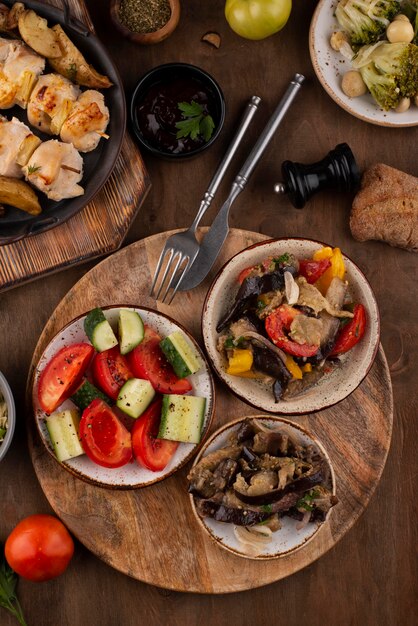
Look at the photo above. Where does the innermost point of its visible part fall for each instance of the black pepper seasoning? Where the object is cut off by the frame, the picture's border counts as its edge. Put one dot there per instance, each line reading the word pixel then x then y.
pixel 144 16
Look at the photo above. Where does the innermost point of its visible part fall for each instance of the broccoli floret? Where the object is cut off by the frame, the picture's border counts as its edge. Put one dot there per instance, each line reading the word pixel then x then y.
pixel 392 73
pixel 365 21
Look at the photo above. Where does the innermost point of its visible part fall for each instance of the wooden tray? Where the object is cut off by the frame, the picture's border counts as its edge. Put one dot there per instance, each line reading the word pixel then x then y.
pixel 97 229
pixel 151 533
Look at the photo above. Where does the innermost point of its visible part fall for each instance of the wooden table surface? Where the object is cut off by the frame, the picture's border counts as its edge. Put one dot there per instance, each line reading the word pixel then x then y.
pixel 370 577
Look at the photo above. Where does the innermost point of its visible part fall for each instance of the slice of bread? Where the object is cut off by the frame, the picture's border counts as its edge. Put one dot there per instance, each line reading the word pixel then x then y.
pixel 386 208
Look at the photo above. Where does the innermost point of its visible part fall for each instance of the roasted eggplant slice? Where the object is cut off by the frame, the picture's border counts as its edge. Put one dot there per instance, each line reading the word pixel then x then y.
pixel 252 287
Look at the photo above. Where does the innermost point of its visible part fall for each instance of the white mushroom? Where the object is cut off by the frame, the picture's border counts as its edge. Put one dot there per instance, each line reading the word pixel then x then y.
pixel 400 31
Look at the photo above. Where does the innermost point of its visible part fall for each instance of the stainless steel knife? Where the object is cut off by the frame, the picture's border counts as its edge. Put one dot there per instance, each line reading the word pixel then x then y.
pixel 215 237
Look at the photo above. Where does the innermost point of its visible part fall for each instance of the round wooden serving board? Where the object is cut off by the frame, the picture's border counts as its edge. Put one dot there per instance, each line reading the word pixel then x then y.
pixel 151 534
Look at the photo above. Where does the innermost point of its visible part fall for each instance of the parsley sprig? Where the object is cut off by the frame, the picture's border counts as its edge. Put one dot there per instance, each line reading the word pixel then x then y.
pixel 8 597
pixel 195 122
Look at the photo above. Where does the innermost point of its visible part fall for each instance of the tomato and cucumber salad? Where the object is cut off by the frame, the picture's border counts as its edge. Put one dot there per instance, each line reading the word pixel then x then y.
pixel 124 386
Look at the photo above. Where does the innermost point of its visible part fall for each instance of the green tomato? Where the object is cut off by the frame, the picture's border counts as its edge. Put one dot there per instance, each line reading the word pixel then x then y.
pixel 257 19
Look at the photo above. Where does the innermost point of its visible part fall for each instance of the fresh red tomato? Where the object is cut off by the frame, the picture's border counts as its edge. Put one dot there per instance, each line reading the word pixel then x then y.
pixel 149 451
pixel 103 437
pixel 244 274
pixel 62 374
pixel 111 371
pixel 279 321
pixel 148 361
pixel 39 548
pixel 313 270
pixel 352 332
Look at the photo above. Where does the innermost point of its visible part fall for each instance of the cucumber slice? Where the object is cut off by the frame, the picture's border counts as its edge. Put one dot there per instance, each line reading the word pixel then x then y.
pixel 86 393
pixel 182 355
pixel 182 418
pixel 131 330
pixel 63 431
pixel 135 396
pixel 99 331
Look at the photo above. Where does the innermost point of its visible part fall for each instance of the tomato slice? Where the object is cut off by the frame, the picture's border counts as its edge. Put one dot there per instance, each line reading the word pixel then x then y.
pixel 103 437
pixel 279 321
pixel 62 374
pixel 148 361
pixel 313 270
pixel 149 451
pixel 352 332
pixel 111 371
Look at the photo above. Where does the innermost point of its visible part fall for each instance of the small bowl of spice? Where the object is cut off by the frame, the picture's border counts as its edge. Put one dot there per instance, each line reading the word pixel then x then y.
pixel 7 416
pixel 145 21
pixel 177 111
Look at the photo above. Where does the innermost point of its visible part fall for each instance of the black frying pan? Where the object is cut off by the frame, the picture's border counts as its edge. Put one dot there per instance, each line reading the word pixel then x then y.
pixel 98 165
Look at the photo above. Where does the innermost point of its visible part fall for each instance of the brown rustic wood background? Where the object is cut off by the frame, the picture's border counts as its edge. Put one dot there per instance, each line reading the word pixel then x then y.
pixel 370 577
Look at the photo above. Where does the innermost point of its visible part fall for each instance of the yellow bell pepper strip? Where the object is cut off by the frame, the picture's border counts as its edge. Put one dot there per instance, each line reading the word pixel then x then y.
pixel 241 361
pixel 337 267
pixel 293 368
pixel 307 368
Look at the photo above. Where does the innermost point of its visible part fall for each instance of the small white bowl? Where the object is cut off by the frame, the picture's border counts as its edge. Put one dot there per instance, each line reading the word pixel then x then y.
pixel 333 387
pixel 330 65
pixel 284 541
pixel 6 392
pixel 131 475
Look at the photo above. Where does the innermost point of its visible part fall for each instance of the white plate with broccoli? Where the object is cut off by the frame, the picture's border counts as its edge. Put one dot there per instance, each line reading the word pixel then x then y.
pixel 358 29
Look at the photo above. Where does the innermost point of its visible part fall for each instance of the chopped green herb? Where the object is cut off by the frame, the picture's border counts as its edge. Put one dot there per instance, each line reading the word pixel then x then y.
pixel 284 258
pixel 229 342
pixel 266 508
pixel 306 502
pixel 195 122
pixel 72 71
pixel 8 597
pixel 32 169
pixel 261 305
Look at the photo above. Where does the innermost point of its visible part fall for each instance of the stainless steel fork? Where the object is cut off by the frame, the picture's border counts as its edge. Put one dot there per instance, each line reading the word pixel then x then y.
pixel 181 249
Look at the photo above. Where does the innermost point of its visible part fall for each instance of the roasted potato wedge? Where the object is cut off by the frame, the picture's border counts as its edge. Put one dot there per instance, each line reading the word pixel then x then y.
pixel 74 66
pixel 19 194
pixel 35 32
pixel 15 12
pixel 26 149
pixel 4 20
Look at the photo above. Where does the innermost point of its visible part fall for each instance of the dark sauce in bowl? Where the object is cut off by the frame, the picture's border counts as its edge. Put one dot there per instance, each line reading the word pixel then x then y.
pixel 155 109
pixel 158 114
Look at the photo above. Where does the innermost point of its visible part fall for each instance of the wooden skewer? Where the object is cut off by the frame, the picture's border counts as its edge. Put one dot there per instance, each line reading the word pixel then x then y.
pixel 103 135
pixel 70 169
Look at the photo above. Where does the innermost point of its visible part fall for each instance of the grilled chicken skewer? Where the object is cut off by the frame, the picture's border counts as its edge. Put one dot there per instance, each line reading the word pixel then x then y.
pixel 56 168
pixel 19 69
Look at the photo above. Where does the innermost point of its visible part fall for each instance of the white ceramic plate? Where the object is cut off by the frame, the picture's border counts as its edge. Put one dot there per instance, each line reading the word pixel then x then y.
pixel 284 541
pixel 330 66
pixel 332 387
pixel 131 475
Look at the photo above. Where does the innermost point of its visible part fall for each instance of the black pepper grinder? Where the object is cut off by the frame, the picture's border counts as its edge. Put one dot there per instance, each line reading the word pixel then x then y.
pixel 338 170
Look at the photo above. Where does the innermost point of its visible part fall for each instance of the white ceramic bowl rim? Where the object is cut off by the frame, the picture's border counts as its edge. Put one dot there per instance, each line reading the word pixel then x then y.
pixel 150 478
pixel 11 415
pixel 328 65
pixel 285 408
pixel 212 532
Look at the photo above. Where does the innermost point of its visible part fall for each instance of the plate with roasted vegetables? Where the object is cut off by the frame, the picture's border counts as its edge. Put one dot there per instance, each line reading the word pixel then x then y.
pixel 262 487
pixel 123 397
pixel 291 325
pixel 365 54
pixel 62 117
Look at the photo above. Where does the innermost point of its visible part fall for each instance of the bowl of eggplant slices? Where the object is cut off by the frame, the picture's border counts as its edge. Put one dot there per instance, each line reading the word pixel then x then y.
pixel 262 487
pixel 291 326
